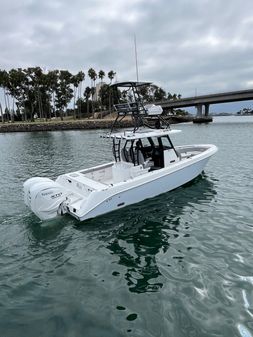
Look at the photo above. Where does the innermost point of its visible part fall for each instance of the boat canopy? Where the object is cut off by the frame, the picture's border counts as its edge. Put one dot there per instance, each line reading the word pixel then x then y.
pixel 146 133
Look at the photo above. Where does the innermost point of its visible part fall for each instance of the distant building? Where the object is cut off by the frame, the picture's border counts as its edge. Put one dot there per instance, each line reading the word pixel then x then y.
pixel 97 89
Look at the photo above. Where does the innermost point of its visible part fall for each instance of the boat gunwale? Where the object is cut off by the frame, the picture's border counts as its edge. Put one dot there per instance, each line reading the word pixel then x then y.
pixel 207 148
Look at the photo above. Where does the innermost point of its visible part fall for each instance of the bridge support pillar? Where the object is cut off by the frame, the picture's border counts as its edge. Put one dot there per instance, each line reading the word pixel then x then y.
pixel 199 110
pixel 206 109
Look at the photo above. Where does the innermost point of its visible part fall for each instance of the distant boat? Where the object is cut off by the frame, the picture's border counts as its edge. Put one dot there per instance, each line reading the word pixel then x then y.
pixel 146 164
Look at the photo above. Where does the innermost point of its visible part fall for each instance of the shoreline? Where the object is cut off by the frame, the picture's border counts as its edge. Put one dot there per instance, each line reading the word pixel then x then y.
pixel 83 124
pixel 87 124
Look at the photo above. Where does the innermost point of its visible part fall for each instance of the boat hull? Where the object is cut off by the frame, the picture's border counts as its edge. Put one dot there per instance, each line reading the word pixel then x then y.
pixel 92 192
pixel 161 183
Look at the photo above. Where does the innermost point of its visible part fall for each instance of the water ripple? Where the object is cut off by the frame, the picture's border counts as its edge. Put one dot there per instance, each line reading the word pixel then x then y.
pixel 175 265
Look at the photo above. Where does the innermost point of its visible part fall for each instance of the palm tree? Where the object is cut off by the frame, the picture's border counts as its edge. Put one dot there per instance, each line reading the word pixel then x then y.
pixel 92 91
pixel 159 94
pixel 75 82
pixel 93 76
pixel 111 75
pixel 80 78
pixel 86 94
pixel 101 75
pixel 169 96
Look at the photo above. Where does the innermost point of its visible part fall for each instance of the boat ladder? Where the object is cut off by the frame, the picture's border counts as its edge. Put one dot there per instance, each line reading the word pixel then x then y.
pixel 116 149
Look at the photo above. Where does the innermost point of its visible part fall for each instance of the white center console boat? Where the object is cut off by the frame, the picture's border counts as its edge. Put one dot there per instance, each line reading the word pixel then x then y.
pixel 146 164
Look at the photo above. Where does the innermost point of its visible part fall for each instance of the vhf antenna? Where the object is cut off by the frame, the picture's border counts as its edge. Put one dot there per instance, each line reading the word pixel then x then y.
pixel 136 60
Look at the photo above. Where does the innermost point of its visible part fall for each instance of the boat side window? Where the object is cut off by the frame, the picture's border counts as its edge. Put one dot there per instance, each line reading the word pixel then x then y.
pixel 125 155
pixel 166 143
pixel 158 143
pixel 147 147
pixel 154 142
pixel 157 152
pixel 132 152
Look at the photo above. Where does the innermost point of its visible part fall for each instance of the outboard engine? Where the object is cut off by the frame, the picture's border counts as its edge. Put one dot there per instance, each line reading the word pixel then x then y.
pixel 45 197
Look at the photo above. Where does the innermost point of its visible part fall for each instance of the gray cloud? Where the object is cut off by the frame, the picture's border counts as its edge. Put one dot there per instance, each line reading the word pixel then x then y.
pixel 183 45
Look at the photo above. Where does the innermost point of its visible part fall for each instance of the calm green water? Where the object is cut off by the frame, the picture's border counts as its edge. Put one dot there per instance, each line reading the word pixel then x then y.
pixel 176 265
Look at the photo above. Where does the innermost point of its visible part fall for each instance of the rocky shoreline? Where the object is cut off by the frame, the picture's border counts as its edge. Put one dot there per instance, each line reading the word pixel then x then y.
pixel 85 124
pixel 61 125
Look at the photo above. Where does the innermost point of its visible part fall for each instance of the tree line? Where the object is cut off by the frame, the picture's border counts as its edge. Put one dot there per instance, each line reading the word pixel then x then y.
pixel 33 93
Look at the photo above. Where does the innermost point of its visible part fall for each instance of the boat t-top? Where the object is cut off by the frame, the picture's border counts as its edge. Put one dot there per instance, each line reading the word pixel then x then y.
pixel 146 164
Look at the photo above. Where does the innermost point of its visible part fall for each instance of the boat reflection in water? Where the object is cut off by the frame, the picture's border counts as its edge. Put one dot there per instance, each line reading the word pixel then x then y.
pixel 150 228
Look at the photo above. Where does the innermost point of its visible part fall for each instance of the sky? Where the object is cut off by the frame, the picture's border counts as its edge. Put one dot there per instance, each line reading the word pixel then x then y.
pixel 185 46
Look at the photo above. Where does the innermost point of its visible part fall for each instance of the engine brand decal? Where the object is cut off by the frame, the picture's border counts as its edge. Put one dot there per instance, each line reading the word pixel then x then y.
pixel 57 195
pixel 46 193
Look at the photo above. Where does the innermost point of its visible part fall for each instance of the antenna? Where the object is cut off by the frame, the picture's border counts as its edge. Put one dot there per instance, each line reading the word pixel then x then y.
pixel 136 60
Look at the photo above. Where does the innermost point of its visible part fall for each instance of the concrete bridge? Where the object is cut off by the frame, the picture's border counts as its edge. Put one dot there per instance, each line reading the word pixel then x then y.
pixel 205 100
